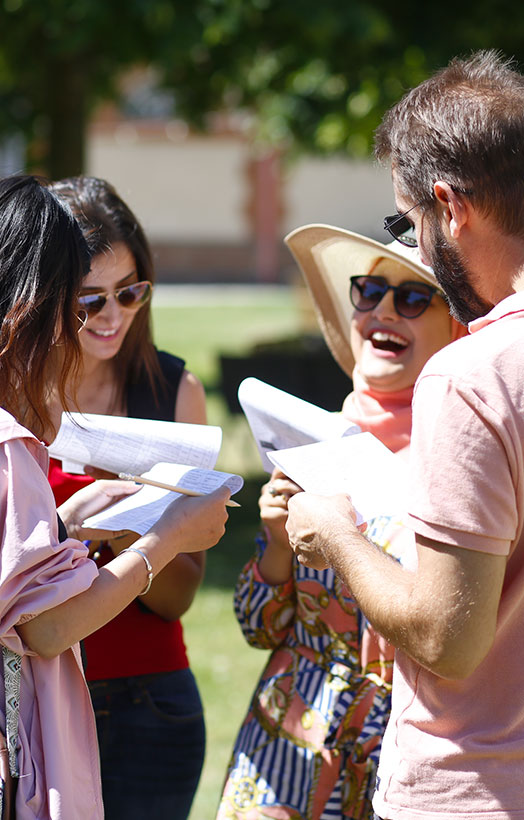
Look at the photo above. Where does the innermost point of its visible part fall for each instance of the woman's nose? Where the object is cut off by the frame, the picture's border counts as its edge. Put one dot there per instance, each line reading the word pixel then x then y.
pixel 112 306
pixel 386 307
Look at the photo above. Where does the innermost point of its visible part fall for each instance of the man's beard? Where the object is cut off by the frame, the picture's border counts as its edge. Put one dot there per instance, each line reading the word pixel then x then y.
pixel 454 278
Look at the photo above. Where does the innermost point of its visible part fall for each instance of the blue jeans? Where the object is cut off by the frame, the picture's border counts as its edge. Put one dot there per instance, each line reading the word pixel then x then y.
pixel 152 741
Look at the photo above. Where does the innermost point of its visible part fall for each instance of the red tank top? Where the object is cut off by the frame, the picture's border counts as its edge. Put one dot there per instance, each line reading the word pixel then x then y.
pixel 137 641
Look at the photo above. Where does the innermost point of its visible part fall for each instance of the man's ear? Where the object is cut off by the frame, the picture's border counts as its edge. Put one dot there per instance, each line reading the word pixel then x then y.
pixel 453 207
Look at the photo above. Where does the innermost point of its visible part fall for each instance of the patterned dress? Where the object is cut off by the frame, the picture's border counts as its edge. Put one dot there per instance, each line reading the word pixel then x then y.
pixel 309 745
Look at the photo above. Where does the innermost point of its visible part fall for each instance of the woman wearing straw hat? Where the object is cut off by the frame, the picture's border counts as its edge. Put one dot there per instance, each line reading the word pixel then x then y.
pixel 309 745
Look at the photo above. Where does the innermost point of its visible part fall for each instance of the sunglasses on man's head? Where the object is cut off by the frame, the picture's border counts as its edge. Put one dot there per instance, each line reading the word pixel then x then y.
pixel 410 299
pixel 401 228
pixel 131 297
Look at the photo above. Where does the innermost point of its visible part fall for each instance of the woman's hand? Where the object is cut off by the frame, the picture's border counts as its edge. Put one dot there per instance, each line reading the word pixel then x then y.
pixel 273 500
pixel 91 500
pixel 276 563
pixel 192 523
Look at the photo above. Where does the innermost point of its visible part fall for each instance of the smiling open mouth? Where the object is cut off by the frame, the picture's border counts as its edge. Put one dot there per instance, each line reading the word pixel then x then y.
pixel 388 341
pixel 103 333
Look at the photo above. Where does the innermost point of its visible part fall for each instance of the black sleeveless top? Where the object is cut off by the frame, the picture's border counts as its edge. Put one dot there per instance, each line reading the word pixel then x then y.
pixel 141 402
pixel 137 637
pixel 62 532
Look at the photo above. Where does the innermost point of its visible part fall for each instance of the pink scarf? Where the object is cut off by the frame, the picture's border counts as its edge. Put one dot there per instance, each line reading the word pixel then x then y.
pixel 386 415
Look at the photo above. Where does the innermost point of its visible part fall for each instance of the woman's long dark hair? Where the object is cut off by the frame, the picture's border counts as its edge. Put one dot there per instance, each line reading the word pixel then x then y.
pixel 105 220
pixel 43 259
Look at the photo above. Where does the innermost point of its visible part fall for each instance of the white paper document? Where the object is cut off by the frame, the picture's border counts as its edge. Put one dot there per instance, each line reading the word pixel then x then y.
pixel 359 466
pixel 140 511
pixel 119 444
pixel 280 420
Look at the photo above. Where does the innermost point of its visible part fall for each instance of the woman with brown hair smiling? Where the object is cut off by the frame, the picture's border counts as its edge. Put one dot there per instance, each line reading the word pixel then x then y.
pixel 149 714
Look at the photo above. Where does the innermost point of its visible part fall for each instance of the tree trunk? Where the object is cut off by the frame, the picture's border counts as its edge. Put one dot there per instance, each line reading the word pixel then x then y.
pixel 67 92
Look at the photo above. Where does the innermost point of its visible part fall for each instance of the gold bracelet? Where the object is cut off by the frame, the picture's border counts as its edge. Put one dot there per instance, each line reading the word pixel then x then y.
pixel 148 567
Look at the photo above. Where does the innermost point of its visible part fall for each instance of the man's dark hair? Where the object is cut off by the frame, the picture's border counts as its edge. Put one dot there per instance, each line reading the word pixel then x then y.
pixel 464 125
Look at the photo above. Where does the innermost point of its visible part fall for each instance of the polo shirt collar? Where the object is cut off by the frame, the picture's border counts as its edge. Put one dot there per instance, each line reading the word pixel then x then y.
pixel 510 305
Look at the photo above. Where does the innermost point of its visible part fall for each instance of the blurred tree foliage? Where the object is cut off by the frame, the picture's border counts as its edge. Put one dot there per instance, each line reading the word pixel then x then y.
pixel 321 73
pixel 59 57
pixel 316 74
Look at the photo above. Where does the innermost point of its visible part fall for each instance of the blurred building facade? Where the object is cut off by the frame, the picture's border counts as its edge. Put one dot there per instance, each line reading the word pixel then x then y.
pixel 215 208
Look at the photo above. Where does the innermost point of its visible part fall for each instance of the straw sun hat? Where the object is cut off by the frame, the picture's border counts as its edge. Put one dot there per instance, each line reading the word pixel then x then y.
pixel 328 257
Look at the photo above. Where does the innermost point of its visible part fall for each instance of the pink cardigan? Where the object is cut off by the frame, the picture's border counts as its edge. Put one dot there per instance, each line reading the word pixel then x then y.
pixel 58 751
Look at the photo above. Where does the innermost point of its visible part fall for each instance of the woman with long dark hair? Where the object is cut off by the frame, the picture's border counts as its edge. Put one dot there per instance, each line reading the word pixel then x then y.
pixel 51 593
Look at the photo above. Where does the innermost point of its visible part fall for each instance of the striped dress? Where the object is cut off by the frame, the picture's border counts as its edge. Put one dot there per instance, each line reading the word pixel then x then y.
pixel 308 747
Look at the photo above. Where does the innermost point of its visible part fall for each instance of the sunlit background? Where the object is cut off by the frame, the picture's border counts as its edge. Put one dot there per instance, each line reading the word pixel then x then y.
pixel 225 124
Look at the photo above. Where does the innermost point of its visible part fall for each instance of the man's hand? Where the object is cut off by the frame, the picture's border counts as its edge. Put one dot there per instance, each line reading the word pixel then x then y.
pixel 318 526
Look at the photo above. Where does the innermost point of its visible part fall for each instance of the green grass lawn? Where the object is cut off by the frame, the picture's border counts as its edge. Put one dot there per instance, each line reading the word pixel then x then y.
pixel 199 333
pixel 225 667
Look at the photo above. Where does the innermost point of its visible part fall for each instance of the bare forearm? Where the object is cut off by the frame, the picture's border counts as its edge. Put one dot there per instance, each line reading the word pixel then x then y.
pixel 117 584
pixel 442 624
pixel 187 525
pixel 443 615
pixel 276 563
pixel 380 585
pixel 173 590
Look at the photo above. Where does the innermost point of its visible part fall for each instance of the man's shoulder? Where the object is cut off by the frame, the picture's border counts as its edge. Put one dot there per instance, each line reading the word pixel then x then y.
pixel 498 346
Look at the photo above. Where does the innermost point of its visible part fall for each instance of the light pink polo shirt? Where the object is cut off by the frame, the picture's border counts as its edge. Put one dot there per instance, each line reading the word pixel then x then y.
pixel 58 755
pixel 455 749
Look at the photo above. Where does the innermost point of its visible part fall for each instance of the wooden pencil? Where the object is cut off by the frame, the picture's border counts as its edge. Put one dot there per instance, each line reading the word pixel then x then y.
pixel 138 479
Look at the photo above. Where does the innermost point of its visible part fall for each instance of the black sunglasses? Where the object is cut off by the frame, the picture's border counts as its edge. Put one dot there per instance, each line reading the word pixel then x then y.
pixel 410 299
pixel 401 228
pixel 131 297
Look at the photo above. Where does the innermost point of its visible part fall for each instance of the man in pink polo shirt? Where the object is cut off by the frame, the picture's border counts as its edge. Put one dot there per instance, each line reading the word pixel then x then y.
pixel 454 746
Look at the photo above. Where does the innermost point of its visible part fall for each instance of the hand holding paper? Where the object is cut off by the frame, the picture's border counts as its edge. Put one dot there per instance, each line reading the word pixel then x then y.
pixel 347 482
pixel 140 512
pixel 359 466
pixel 320 528
pixel 90 501
pixel 177 456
